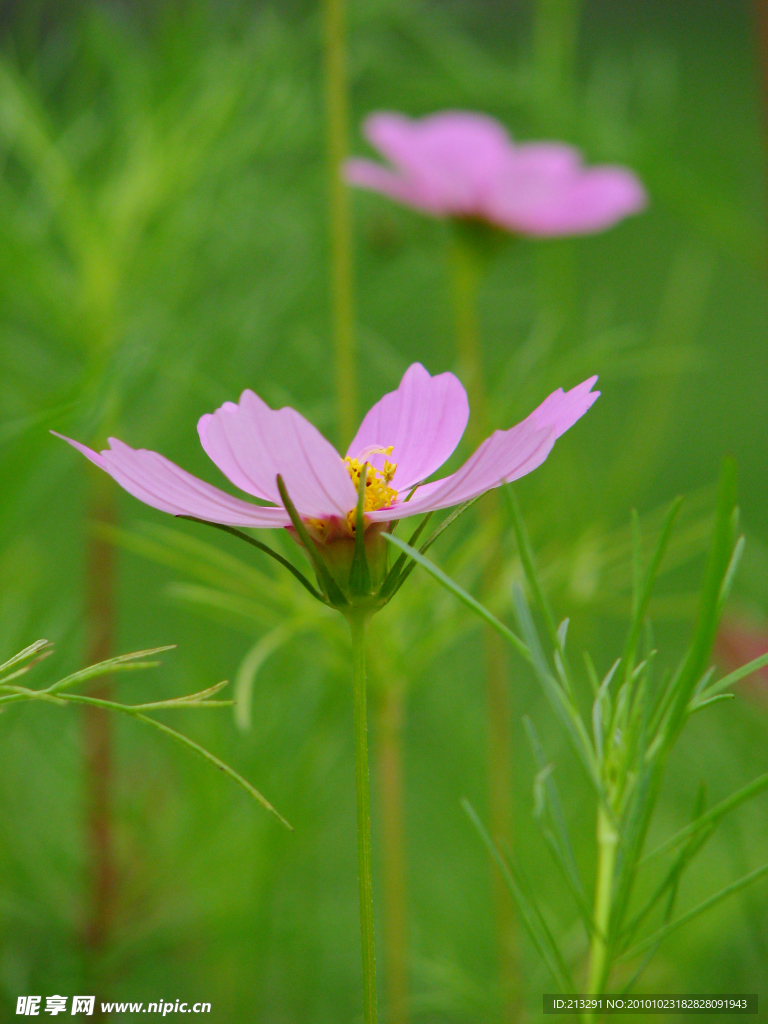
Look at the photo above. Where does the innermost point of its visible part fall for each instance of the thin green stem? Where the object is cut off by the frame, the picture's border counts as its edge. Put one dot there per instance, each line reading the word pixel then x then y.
pixel 607 841
pixel 358 624
pixel 340 218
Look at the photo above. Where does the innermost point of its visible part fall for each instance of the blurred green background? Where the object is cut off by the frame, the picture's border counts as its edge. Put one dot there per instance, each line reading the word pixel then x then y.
pixel 163 245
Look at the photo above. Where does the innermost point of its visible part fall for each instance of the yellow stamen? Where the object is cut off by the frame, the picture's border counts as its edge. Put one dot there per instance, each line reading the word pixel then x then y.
pixel 378 493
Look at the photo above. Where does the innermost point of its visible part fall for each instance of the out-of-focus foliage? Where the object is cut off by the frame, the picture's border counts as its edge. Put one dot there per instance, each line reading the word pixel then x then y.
pixel 162 246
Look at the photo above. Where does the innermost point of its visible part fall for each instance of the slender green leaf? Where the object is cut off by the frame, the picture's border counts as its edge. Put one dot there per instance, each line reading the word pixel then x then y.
pixel 671 883
pixel 691 915
pixel 712 816
pixel 701 704
pixel 644 584
pixel 718 561
pixel 734 677
pixel 594 679
pixel 530 915
pixel 28 652
pixel 252 663
pixel 560 701
pixel 462 595
pixel 122 663
pixel 528 561
pixel 730 575
pixel 458 511
pixel 134 712
pixel 558 840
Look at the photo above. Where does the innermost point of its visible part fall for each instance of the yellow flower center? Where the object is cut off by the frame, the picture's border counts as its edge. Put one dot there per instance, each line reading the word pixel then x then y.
pixel 378 493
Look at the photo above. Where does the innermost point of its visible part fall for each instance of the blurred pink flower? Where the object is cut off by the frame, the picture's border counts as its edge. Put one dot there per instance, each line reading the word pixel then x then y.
pixel 462 164
pixel 420 425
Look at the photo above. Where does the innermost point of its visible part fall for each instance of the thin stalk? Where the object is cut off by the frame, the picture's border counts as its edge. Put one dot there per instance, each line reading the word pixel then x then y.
pixel 358 624
pixel 607 841
pixel 390 771
pixel 466 265
pixel 336 122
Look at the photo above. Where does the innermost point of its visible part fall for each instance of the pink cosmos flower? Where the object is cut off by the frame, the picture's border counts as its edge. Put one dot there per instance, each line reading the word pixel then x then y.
pixel 462 164
pixel 419 425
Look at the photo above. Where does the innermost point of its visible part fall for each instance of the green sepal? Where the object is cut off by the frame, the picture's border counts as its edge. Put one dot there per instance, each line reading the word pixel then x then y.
pixel 324 578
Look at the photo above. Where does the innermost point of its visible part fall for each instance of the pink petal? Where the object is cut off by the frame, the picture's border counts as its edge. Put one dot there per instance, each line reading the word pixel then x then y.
pixel 562 409
pixel 158 482
pixel 448 160
pixel 541 197
pixel 544 160
pixel 505 456
pixel 423 420
pixel 251 444
pixel 370 175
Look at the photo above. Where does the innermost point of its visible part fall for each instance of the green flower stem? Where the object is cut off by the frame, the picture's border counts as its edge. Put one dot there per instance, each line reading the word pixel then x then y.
pixel 340 218
pixel 607 842
pixel 358 623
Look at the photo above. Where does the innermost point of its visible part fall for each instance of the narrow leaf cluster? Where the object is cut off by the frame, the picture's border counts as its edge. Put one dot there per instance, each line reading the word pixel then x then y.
pixel 624 747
